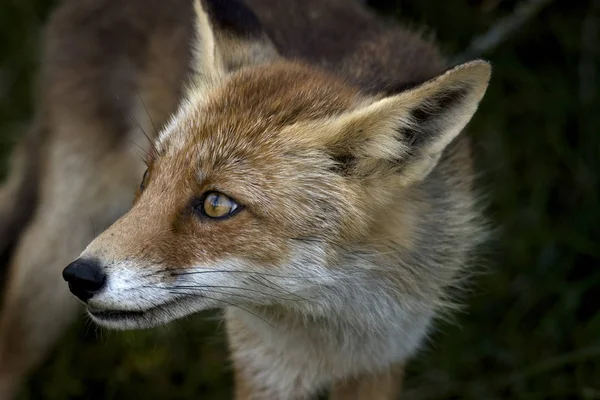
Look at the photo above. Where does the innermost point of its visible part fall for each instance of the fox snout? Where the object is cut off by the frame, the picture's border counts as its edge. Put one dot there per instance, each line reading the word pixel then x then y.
pixel 85 278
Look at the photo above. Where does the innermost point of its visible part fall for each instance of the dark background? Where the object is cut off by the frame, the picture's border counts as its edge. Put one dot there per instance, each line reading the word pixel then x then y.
pixel 531 327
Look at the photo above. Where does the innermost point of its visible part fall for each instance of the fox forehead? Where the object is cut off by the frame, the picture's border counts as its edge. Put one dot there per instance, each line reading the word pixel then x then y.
pixel 240 136
pixel 247 113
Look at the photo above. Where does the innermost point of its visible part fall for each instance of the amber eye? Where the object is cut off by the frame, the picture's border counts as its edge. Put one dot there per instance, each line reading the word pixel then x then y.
pixel 144 180
pixel 217 205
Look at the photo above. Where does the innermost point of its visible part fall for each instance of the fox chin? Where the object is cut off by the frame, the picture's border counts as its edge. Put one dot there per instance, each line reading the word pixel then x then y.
pixel 160 314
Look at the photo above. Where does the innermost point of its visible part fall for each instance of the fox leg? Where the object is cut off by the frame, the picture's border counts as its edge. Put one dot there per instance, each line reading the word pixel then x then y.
pixel 37 306
pixel 385 385
pixel 18 193
pixel 83 190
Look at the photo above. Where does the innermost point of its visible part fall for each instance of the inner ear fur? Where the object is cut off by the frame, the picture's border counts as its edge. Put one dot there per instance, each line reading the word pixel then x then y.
pixel 228 36
pixel 406 133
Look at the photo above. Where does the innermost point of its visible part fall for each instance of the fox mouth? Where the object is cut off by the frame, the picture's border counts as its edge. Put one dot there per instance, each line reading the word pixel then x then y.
pixel 140 319
pixel 118 314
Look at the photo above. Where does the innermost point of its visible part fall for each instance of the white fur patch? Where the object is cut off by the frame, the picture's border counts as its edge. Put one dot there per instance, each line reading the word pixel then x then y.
pixel 338 322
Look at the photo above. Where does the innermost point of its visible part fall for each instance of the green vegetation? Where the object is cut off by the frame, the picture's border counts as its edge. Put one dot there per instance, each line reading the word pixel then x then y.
pixel 531 327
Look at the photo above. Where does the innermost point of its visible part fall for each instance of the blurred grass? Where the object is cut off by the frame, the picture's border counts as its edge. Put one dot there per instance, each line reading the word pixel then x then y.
pixel 531 328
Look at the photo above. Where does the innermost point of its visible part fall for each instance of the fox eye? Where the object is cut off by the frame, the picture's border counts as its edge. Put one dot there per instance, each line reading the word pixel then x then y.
pixel 144 180
pixel 218 206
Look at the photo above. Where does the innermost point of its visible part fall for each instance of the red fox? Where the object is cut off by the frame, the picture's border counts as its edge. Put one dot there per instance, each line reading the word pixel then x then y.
pixel 312 181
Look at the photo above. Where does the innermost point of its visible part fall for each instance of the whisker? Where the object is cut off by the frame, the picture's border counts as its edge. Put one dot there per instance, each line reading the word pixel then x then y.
pixel 152 152
pixel 147 113
pixel 141 152
pixel 281 288
pixel 92 224
pixel 235 271
pixel 201 293
pixel 203 287
pixel 239 307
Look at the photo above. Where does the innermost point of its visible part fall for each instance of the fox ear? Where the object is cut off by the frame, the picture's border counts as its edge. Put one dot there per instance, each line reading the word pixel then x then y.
pixel 407 132
pixel 228 36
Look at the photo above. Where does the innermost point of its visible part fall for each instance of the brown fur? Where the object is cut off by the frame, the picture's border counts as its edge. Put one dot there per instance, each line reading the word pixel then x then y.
pixel 94 100
pixel 323 172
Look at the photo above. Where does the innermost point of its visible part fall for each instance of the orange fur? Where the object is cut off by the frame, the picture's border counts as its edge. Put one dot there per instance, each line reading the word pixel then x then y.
pixel 322 172
pixel 356 216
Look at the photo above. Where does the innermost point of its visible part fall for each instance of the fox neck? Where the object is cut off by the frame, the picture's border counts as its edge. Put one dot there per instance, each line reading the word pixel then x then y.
pixel 363 326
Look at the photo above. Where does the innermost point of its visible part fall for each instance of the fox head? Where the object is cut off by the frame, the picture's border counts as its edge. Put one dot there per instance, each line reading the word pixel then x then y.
pixel 265 183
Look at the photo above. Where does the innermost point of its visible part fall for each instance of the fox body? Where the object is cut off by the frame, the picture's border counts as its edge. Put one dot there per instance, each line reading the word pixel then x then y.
pixel 308 176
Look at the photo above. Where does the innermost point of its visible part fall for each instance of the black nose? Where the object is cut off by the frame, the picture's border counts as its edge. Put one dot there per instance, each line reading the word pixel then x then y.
pixel 85 278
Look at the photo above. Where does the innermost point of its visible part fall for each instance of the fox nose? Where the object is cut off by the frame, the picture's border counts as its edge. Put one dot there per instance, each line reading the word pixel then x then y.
pixel 85 278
